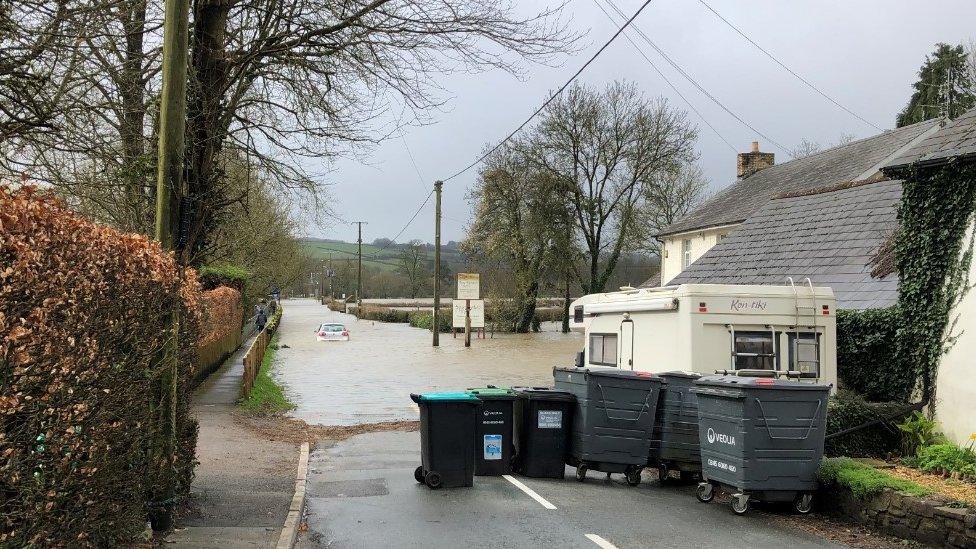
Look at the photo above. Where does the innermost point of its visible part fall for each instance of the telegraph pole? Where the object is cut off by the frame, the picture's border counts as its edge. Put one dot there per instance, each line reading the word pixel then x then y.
pixel 359 276
pixel 437 262
pixel 169 183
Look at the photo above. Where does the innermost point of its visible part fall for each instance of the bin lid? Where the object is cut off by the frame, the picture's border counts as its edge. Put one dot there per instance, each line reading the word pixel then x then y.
pixel 609 371
pixel 732 382
pixel 544 393
pixel 682 374
pixel 492 393
pixel 455 395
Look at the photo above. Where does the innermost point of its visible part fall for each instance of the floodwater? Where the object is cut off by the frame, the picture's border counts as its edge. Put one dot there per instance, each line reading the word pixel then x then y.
pixel 370 378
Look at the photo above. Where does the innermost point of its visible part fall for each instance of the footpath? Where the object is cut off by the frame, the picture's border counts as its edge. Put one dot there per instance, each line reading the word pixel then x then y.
pixel 244 483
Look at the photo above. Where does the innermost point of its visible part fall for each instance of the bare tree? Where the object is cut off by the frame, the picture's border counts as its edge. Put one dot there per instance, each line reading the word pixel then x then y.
pixel 669 195
pixel 413 265
pixel 807 147
pixel 603 148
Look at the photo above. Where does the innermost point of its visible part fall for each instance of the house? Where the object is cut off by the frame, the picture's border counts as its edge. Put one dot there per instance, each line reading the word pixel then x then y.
pixel 760 180
pixel 955 390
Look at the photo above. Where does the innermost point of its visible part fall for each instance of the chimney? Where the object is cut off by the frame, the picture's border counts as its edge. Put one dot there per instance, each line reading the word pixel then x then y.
pixel 753 161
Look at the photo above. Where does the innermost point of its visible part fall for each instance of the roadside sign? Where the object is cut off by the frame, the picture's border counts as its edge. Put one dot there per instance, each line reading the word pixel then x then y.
pixel 468 286
pixel 477 313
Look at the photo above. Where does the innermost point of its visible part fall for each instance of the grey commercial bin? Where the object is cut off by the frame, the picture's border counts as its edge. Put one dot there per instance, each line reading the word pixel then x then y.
pixel 613 419
pixel 761 439
pixel 674 440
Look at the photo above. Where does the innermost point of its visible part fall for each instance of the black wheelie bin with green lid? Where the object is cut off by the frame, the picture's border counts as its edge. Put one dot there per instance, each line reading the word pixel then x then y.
pixel 761 439
pixel 543 418
pixel 613 420
pixel 674 441
pixel 495 430
pixel 448 423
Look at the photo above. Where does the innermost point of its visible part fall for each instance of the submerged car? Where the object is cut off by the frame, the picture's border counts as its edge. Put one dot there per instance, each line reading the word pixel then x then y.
pixel 332 332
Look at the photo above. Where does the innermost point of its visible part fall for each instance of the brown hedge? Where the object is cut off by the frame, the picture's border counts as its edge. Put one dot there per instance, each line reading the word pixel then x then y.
pixel 82 318
pixel 220 329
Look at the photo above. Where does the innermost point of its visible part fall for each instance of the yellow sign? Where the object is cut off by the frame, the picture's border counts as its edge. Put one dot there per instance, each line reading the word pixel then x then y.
pixel 468 286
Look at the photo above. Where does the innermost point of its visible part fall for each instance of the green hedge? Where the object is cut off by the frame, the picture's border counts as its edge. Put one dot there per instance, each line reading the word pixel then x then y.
pixel 847 410
pixel 213 276
pixel 425 320
pixel 866 361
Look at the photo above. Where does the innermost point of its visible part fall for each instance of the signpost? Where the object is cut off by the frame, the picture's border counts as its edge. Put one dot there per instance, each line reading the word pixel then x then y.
pixel 468 289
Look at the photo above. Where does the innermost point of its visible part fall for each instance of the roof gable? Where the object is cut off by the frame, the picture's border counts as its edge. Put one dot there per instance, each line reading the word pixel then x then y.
pixel 847 162
pixel 956 139
pixel 832 237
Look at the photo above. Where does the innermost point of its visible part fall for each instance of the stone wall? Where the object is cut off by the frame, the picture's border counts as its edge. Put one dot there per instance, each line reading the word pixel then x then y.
pixel 926 520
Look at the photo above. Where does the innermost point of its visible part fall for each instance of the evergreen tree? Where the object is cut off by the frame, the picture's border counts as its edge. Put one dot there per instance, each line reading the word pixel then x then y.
pixel 930 89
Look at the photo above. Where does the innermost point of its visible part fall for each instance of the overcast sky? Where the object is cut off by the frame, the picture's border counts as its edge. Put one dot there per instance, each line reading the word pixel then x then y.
pixel 864 54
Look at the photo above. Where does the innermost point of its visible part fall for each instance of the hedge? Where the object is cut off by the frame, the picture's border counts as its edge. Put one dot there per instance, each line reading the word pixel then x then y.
pixel 81 329
pixel 220 334
pixel 866 355
pixel 846 410
pixel 215 276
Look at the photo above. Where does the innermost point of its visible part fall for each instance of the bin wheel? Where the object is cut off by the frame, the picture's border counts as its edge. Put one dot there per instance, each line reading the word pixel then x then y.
pixel 418 474
pixel 663 473
pixel 705 492
pixel 581 472
pixel 433 480
pixel 740 503
pixel 803 503
pixel 634 475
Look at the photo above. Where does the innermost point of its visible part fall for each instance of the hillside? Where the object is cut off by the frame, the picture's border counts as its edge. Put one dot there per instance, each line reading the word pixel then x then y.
pixel 374 257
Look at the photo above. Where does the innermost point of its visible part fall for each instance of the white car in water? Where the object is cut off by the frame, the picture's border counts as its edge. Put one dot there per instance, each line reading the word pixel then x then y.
pixel 331 331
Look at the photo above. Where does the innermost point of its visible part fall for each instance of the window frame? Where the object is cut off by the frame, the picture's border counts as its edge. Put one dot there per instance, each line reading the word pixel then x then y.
pixel 603 346
pixel 767 336
pixel 790 337
pixel 685 253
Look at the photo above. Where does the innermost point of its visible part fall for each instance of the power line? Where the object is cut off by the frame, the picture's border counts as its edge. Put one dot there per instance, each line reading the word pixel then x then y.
pixel 695 83
pixel 414 216
pixel 554 95
pixel 667 81
pixel 789 70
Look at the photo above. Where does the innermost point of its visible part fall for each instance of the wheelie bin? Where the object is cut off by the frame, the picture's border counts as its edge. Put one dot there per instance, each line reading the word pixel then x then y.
pixel 543 418
pixel 448 422
pixel 674 440
pixel 761 439
pixel 613 420
pixel 494 431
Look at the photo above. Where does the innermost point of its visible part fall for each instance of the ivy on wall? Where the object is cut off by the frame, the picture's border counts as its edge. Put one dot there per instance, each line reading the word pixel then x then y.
pixel 866 361
pixel 933 259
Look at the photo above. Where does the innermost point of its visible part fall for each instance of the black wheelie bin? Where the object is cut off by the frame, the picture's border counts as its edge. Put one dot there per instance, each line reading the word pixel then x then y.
pixel 543 418
pixel 674 441
pixel 613 420
pixel 448 423
pixel 761 439
pixel 495 430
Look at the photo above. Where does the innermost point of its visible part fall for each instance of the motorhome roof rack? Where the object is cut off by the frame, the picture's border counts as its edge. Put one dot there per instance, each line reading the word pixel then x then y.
pixel 745 372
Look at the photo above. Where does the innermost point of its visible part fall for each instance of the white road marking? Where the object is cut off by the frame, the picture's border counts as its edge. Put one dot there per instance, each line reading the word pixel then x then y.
pixel 600 541
pixel 530 492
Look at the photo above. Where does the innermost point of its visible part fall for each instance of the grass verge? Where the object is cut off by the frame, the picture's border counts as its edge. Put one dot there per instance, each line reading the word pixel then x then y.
pixel 267 397
pixel 863 480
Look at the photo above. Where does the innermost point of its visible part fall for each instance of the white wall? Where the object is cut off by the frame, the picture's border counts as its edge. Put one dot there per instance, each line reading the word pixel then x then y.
pixel 955 392
pixel 701 242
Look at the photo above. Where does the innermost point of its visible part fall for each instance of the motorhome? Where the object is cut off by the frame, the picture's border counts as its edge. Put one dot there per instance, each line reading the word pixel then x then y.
pixel 783 330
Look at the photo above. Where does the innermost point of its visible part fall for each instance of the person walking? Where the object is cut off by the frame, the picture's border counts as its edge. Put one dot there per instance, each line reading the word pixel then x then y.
pixel 261 320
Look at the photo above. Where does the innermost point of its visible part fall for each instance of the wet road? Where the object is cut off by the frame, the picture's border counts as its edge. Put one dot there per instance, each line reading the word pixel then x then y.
pixel 370 378
pixel 361 494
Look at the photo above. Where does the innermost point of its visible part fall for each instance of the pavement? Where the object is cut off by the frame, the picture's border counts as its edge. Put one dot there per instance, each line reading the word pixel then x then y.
pixel 244 483
pixel 361 493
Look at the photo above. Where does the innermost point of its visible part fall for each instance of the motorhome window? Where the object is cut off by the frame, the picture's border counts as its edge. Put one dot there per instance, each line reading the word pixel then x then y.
pixel 805 356
pixel 603 349
pixel 685 253
pixel 754 351
pixel 578 314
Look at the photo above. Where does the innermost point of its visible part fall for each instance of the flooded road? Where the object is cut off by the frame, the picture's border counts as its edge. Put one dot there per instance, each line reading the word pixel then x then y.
pixel 370 378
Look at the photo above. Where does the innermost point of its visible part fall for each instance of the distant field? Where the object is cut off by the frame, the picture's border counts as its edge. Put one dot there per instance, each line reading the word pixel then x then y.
pixel 373 256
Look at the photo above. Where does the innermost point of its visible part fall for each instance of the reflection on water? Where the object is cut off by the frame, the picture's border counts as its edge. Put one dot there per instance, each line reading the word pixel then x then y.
pixel 370 377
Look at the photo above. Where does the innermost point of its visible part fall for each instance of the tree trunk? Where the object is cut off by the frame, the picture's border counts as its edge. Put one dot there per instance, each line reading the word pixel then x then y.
pixel 566 307
pixel 132 122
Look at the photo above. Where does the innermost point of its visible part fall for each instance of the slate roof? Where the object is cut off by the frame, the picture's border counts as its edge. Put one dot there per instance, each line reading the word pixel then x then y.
pixel 831 237
pixel 956 139
pixel 844 163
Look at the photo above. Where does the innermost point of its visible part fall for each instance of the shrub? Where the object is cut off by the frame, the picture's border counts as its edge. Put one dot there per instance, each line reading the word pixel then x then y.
pixel 946 458
pixel 267 396
pixel 383 314
pixel 214 276
pixel 81 332
pixel 846 410
pixel 863 480
pixel 425 320
pixel 866 361
pixel 918 431
pixel 220 329
pixel 272 326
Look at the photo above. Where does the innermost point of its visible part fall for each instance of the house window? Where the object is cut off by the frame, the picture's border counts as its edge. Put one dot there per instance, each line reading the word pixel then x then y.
pixel 755 351
pixel 722 236
pixel 685 253
pixel 603 349
pixel 805 354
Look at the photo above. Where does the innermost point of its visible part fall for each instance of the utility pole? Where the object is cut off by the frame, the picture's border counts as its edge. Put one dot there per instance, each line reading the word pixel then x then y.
pixel 169 184
pixel 331 279
pixel 437 262
pixel 359 276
